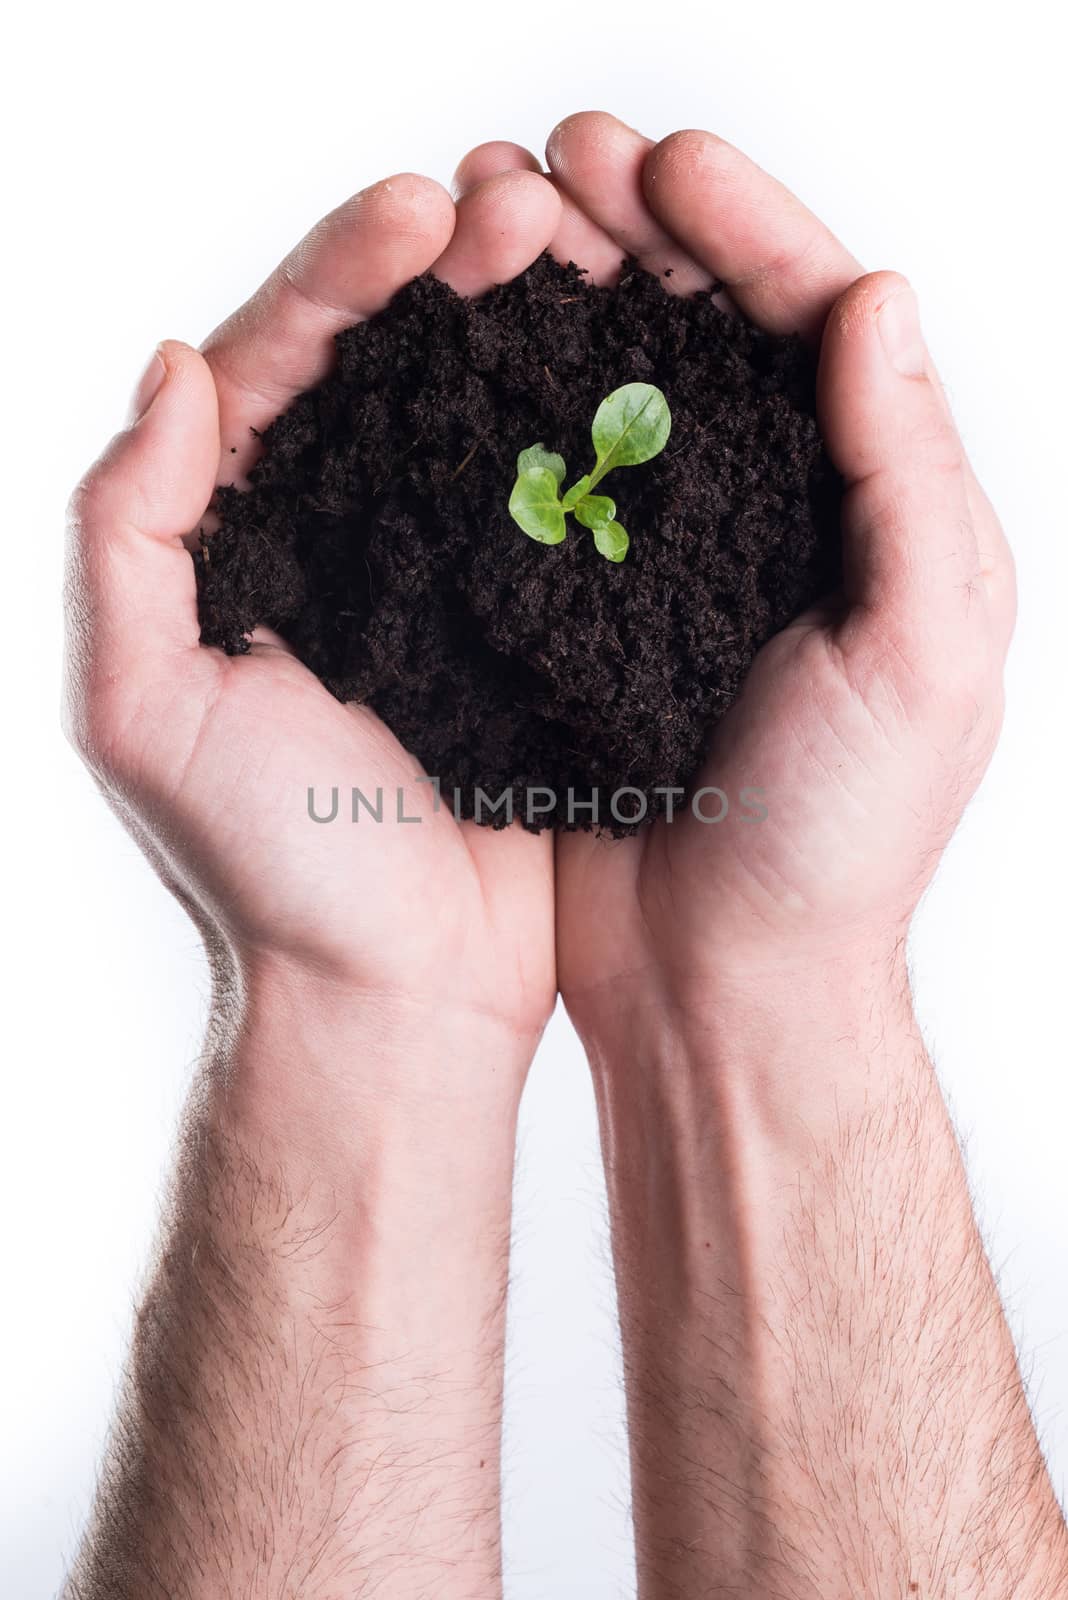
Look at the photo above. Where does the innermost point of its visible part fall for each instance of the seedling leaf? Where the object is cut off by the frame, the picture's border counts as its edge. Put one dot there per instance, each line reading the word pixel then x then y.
pixel 611 540
pixel 535 505
pixel 538 456
pixel 576 492
pixel 595 511
pixel 630 427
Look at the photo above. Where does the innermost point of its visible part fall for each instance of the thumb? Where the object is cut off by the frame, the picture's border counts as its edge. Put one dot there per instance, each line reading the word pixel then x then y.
pixel 911 556
pixel 130 588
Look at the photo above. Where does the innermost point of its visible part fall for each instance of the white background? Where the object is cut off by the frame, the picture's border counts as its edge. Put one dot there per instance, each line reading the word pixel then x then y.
pixel 161 159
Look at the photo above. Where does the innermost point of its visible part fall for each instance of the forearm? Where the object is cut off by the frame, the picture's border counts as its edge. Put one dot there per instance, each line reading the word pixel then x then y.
pixel 313 1401
pixel 823 1394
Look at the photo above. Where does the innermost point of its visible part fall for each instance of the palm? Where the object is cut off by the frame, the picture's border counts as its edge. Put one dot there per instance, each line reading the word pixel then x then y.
pixel 825 861
pixel 407 904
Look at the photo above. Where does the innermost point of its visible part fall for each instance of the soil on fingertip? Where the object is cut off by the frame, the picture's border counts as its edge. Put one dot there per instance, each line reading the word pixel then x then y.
pixel 376 537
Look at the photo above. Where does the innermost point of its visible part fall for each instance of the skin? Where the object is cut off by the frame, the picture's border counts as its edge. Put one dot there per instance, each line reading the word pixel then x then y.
pixel 823 1395
pixel 313 1402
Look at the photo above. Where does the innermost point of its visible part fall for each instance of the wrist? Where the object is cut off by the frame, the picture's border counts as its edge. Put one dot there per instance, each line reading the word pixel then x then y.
pixel 783 1048
pixel 330 1076
pixel 378 1145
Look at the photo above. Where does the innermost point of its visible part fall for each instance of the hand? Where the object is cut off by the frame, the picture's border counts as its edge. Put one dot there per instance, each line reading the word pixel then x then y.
pixel 822 1394
pixel 867 723
pixel 319 1352
pixel 208 759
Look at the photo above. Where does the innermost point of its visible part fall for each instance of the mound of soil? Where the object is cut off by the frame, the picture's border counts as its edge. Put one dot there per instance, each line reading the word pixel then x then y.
pixel 376 535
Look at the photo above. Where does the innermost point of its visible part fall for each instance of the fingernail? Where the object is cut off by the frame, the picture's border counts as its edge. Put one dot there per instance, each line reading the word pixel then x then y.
pixel 899 329
pixel 147 388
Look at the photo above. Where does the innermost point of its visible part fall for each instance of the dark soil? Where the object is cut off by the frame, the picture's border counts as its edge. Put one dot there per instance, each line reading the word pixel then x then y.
pixel 376 536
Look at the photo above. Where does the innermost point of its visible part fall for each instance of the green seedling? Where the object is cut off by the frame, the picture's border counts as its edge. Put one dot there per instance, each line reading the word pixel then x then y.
pixel 630 427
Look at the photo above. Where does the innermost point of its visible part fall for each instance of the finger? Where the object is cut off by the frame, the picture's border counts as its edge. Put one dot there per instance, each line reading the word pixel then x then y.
pixel 130 591
pixel 997 567
pixel 347 268
pixel 912 561
pixel 598 161
pixel 784 269
pixel 576 238
pixel 487 161
pixel 501 227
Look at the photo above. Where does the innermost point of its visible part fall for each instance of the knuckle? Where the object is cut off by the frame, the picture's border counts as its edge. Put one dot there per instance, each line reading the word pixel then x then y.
pixel 957 680
pixel 954 682
pixel 91 501
pixel 934 441
pixel 942 680
pixel 84 507
pixel 102 507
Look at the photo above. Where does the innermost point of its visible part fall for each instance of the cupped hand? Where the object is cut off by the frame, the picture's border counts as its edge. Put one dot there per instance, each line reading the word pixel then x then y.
pixel 209 759
pixel 868 723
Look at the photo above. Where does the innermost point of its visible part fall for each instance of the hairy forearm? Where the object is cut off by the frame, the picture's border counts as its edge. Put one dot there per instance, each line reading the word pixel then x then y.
pixel 313 1400
pixel 823 1394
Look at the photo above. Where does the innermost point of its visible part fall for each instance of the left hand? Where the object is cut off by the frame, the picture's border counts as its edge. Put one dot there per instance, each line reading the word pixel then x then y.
pixel 867 723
